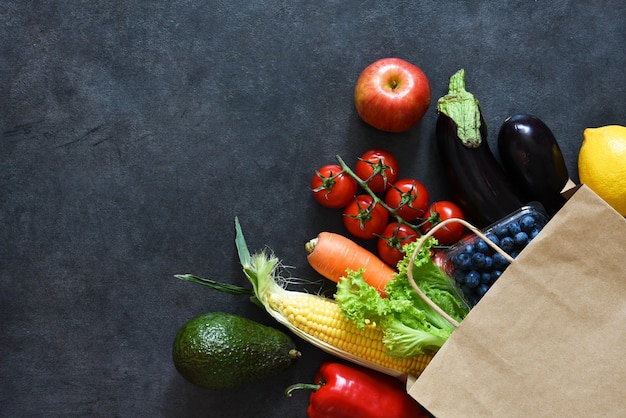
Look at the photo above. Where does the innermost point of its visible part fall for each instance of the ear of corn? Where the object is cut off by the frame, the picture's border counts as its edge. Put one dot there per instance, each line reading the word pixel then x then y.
pixel 318 319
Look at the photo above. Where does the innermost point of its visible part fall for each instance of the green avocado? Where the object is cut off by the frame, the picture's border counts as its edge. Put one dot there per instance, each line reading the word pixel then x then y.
pixel 220 350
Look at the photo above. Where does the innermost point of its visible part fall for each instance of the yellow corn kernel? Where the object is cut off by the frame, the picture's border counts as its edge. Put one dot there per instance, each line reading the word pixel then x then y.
pixel 319 320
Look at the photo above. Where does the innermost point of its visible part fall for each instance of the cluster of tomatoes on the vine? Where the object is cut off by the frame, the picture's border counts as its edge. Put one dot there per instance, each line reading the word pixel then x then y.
pixel 376 204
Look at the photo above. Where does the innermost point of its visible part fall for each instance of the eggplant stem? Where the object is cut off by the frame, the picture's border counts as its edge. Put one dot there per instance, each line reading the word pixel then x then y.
pixel 464 109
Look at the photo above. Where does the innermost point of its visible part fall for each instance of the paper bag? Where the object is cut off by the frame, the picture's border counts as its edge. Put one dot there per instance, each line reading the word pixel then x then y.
pixel 549 338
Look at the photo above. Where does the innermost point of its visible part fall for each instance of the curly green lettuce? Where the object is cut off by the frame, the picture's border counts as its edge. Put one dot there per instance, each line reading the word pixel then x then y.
pixel 410 326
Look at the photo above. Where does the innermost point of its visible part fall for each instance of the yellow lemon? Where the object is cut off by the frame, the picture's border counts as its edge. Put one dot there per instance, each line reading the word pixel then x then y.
pixel 602 164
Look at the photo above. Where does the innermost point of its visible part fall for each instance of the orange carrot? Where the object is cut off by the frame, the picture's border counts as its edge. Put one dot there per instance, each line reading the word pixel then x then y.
pixel 332 254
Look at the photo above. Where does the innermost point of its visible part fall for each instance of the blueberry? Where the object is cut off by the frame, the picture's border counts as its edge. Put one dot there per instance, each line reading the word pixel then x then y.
pixel 469 248
pixel 493 238
pixel 481 290
pixel 521 239
pixel 467 291
pixel 462 261
pixel 459 277
pixel 513 228
pixel 485 277
pixel 527 223
pixel 501 231
pixel 507 244
pixel 482 247
pixel 499 262
pixel 472 279
pixel 478 261
pixel 495 275
pixel 532 234
pixel 488 263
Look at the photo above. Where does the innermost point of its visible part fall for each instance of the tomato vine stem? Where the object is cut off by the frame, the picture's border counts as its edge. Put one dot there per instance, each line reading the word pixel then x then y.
pixel 375 197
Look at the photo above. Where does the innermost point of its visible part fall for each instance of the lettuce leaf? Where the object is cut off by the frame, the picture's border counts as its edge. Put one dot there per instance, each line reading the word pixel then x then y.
pixel 410 326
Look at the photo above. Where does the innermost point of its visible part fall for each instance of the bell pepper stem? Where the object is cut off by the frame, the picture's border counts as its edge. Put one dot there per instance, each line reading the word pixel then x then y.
pixel 302 386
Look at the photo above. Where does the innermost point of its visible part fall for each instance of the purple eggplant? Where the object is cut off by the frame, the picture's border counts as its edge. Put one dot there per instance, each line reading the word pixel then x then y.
pixel 533 160
pixel 480 184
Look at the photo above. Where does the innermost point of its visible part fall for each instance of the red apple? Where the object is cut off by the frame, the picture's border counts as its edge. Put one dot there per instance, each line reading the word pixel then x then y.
pixel 392 95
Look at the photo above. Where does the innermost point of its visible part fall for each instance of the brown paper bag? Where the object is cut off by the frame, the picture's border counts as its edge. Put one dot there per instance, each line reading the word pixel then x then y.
pixel 549 338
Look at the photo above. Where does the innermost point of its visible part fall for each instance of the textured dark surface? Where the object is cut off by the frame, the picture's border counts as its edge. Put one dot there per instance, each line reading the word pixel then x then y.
pixel 133 132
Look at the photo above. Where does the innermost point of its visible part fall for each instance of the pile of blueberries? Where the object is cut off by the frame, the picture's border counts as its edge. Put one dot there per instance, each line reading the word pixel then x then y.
pixel 476 266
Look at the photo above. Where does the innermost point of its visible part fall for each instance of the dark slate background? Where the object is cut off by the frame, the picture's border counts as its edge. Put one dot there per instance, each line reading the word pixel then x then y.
pixel 133 133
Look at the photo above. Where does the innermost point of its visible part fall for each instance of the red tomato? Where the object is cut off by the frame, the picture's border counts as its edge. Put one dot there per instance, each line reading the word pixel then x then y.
pixel 439 258
pixel 364 219
pixel 440 211
pixel 391 241
pixel 409 198
pixel 379 168
pixel 332 187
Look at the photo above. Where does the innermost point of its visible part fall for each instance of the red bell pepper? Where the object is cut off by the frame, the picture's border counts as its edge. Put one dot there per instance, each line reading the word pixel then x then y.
pixel 349 391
